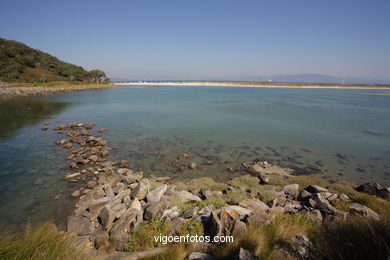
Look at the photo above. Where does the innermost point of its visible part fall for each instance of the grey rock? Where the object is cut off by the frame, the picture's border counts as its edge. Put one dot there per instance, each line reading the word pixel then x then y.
pixel 304 195
pixel 141 190
pixel 291 190
pixel 135 204
pixel 79 225
pixel 199 256
pixel 213 226
pixel 239 229
pixel 156 194
pixel 132 177
pixel 120 231
pixel 258 218
pixel 75 194
pixel 245 255
pixel 315 189
pixel 155 209
pixel 110 213
pixel 171 213
pixel 190 213
pixel 358 209
pixel 324 206
pixel 91 184
pixel 237 210
pixel 185 197
pixel 253 204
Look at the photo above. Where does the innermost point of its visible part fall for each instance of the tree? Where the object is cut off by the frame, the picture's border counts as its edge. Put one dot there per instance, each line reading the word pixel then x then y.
pixel 96 76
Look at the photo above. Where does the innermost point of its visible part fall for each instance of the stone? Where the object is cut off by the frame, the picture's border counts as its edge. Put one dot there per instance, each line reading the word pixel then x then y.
pixel 185 197
pixel 110 213
pixel 155 209
pixel 171 213
pixel 120 231
pixel 343 197
pixel 259 218
pixel 132 177
pixel 253 204
pixel 135 204
pixel 75 194
pixel 239 228
pixel 192 165
pixel 291 190
pixel 91 184
pixel 199 256
pixel 72 175
pixel 358 209
pixel 123 164
pixel 122 171
pixel 301 246
pixel 315 189
pixel 324 206
pixel 237 210
pixel 156 194
pixel 93 158
pixel 190 213
pixel 68 146
pixel 213 226
pixel 245 255
pixel 370 188
pixel 304 195
pixel 79 225
pixel 314 215
pixel 384 193
pixel 141 190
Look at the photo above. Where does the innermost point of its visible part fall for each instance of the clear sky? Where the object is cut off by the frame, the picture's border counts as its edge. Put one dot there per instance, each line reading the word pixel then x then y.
pixel 207 39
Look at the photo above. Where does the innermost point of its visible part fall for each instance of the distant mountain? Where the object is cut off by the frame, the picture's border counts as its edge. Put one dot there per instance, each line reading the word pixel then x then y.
pixel 315 78
pixel 19 62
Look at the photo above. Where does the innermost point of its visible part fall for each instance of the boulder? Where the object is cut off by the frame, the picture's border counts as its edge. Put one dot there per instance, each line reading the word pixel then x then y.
pixel 185 197
pixel 171 213
pixel 291 190
pixel 156 194
pixel 213 226
pixel 245 255
pixel 75 194
pixel 259 218
pixel 358 209
pixel 135 204
pixel 190 213
pixel 132 177
pixel 155 209
pixel 79 225
pixel 199 256
pixel 384 193
pixel 91 184
pixel 120 231
pixel 304 195
pixel 315 189
pixel 324 206
pixel 123 171
pixel 253 204
pixel 93 158
pixel 239 228
pixel 141 190
pixel 237 210
pixel 110 213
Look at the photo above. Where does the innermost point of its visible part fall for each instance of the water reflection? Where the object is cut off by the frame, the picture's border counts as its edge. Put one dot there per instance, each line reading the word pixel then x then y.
pixel 17 113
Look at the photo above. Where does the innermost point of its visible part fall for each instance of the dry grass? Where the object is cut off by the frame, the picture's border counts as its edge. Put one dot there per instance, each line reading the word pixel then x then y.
pixel 261 239
pixel 43 242
pixel 357 238
pixel 204 183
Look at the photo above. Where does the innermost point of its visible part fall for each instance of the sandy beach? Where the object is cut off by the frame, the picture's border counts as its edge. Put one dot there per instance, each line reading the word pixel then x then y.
pixel 253 85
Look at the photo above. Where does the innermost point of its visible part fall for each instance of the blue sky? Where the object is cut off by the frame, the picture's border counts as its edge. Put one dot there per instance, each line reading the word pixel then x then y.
pixel 207 39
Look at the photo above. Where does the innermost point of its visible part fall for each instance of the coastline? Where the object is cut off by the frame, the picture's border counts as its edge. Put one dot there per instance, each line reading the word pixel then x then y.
pixel 254 85
pixel 15 90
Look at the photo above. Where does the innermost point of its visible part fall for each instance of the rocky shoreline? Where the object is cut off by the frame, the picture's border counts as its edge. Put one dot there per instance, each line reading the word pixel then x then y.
pixel 114 202
pixel 7 92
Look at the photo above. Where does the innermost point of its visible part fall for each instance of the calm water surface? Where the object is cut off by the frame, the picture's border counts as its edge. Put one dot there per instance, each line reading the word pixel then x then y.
pixel 333 133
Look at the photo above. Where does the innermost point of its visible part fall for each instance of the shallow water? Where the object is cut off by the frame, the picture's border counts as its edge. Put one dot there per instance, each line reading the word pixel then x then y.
pixel 333 133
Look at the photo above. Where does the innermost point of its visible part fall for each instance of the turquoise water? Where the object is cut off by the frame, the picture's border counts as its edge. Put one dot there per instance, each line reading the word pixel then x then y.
pixel 333 133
